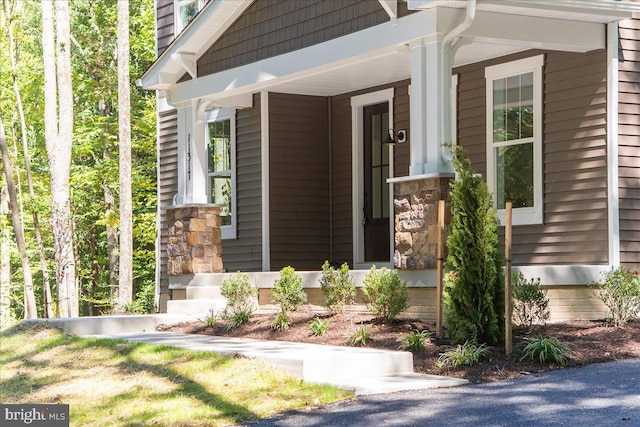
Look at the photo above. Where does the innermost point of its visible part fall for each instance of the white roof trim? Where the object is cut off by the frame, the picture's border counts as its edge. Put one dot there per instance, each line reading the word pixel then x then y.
pixel 207 27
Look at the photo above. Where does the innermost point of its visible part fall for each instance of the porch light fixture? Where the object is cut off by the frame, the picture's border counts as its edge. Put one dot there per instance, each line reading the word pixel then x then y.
pixel 396 138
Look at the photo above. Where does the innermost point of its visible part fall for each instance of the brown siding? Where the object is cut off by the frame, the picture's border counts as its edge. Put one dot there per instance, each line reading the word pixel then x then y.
pixel 401 122
pixel 574 156
pixel 164 24
pixel 245 252
pixel 298 181
pixel 167 188
pixel 273 27
pixel 629 142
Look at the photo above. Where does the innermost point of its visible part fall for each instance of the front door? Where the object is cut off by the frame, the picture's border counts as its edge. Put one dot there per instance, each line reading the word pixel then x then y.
pixel 376 189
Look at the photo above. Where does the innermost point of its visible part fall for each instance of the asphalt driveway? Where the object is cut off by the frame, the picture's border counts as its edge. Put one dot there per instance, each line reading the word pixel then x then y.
pixel 606 394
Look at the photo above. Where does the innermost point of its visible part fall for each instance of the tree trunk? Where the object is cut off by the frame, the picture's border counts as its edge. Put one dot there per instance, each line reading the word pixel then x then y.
pixel 30 309
pixel 125 291
pixel 58 136
pixel 5 261
pixel 112 245
pixel 46 286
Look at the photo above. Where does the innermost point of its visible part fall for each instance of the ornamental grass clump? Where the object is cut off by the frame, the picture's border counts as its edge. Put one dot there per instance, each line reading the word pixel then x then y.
pixel 466 354
pixel 530 301
pixel 546 350
pixel 360 337
pixel 337 287
pixel 287 291
pixel 386 293
pixel 620 292
pixel 414 341
pixel 319 326
pixel 241 299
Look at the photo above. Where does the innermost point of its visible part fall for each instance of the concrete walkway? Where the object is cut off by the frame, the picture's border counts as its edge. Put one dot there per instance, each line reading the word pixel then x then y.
pixel 361 370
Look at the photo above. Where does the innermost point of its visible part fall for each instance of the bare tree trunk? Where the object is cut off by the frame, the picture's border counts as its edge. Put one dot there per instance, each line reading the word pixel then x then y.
pixel 125 291
pixel 30 309
pixel 5 261
pixel 58 136
pixel 10 13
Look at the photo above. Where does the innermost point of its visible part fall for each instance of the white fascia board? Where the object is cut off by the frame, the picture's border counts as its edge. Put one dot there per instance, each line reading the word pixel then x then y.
pixel 537 33
pixel 195 39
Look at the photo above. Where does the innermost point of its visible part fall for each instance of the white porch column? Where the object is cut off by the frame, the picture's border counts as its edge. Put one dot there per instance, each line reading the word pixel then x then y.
pixel 192 149
pixel 430 107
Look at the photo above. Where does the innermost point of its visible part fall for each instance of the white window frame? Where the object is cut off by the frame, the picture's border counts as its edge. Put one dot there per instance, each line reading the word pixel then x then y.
pixel 528 215
pixel 217 115
pixel 178 25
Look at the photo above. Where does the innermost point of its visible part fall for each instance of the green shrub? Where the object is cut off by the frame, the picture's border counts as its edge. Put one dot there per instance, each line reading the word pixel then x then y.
pixel 337 287
pixel 546 350
pixel 386 293
pixel 414 340
pixel 620 292
pixel 530 301
pixel 281 321
pixel 240 294
pixel 467 354
pixel 144 300
pixel 210 319
pixel 360 337
pixel 319 327
pixel 474 283
pixel 287 290
pixel 238 319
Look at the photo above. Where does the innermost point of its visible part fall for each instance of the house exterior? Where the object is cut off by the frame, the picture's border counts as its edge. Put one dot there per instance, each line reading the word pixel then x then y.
pixel 273 117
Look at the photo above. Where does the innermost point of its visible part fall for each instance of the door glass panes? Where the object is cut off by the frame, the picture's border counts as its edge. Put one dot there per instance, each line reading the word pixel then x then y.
pixel 380 165
pixel 515 175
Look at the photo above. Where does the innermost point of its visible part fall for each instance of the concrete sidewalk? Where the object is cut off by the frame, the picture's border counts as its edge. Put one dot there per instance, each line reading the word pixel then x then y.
pixel 361 370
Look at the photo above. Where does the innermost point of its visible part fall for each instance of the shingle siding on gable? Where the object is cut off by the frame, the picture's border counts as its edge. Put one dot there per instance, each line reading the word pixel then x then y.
pixel 273 27
pixel 629 142
pixel 164 24
pixel 574 156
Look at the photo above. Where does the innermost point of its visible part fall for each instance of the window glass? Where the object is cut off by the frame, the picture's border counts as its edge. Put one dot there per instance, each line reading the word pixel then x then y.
pixel 515 175
pixel 220 167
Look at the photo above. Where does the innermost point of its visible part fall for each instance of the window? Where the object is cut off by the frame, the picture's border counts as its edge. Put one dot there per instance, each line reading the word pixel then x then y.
pixel 220 137
pixel 514 138
pixel 185 11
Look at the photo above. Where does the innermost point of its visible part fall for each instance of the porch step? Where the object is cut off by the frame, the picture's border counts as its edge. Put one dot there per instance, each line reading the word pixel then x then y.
pixel 204 292
pixel 196 307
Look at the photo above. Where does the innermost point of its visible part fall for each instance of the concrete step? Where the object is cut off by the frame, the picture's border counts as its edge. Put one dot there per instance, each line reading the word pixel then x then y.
pixel 196 307
pixel 204 292
pixel 114 324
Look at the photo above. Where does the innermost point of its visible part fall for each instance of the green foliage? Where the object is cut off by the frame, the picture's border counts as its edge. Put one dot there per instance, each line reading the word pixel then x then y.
pixel 530 304
pixel 620 292
pixel 386 293
pixel 238 319
pixel 281 321
pixel 287 290
pixel 546 350
pixel 210 319
pixel 319 326
pixel 143 302
pixel 414 340
pixel 360 337
pixel 474 284
pixel 240 294
pixel 337 287
pixel 466 354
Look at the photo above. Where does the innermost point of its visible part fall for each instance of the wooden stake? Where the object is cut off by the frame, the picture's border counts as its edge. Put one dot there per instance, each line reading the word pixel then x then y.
pixel 508 341
pixel 439 268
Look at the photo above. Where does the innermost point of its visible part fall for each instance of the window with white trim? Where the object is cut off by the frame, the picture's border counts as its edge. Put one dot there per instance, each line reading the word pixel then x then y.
pixel 221 167
pixel 184 12
pixel 514 138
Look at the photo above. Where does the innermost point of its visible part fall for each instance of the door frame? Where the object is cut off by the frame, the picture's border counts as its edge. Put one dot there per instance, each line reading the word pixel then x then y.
pixel 357 178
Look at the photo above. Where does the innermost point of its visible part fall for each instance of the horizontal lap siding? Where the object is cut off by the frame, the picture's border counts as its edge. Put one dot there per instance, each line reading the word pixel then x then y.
pixel 164 24
pixel 298 181
pixel 629 142
pixel 273 27
pixel 245 252
pixel 167 188
pixel 574 156
pixel 401 122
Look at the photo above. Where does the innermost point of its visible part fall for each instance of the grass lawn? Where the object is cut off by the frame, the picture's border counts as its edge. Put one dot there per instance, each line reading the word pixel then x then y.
pixel 115 383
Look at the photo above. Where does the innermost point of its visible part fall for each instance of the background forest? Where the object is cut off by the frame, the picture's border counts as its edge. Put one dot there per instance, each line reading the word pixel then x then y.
pixel 94 173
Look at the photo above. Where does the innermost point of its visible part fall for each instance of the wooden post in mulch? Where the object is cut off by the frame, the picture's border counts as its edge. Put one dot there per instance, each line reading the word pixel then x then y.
pixel 439 268
pixel 508 339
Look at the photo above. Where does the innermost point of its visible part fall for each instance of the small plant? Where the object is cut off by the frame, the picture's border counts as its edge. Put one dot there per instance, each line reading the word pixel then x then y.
pixel 237 319
pixel 620 292
pixel 210 319
pixel 386 293
pixel 240 295
pixel 414 340
pixel 360 337
pixel 319 327
pixel 466 354
pixel 337 287
pixel 287 290
pixel 281 322
pixel 546 350
pixel 530 304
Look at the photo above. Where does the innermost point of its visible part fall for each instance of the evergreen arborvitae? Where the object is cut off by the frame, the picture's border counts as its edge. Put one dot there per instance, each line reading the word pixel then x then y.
pixel 474 284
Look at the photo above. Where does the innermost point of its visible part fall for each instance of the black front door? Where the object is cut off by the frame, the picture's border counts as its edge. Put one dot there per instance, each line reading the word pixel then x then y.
pixel 376 189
